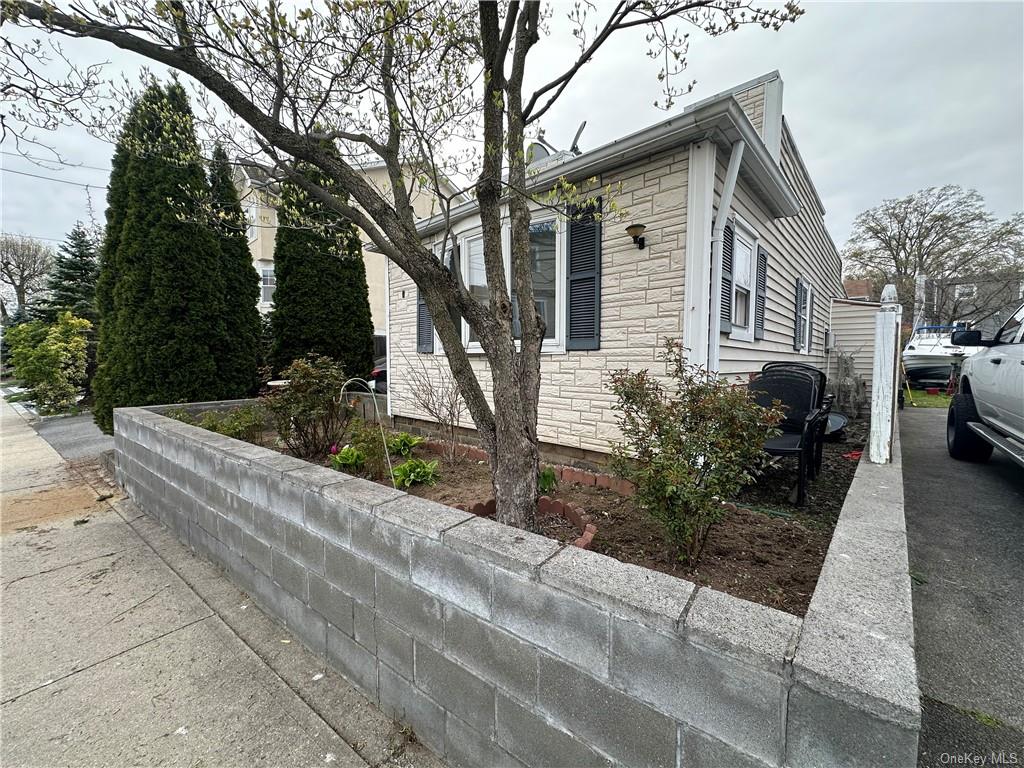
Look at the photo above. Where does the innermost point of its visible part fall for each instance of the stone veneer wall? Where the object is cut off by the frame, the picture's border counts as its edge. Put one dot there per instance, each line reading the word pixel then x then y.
pixel 500 647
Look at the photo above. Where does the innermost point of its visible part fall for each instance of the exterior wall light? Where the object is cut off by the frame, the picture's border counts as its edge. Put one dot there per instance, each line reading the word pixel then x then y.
pixel 636 231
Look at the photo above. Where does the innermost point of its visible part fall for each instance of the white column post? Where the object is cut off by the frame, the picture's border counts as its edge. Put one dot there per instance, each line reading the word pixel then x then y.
pixel 885 379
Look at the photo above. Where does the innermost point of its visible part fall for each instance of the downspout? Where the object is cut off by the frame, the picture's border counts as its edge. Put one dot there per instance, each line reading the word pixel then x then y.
pixel 724 206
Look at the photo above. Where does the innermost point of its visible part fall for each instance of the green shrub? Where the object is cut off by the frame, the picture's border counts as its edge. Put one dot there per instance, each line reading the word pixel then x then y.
pixel 50 360
pixel 348 459
pixel 687 447
pixel 245 422
pixel 547 481
pixel 402 443
pixel 180 414
pixel 366 436
pixel 310 413
pixel 415 471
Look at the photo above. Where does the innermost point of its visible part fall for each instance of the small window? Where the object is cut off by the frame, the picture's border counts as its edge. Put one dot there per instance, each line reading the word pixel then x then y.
pixel 268 284
pixel 476 275
pixel 543 252
pixel 251 229
pixel 744 248
pixel 964 291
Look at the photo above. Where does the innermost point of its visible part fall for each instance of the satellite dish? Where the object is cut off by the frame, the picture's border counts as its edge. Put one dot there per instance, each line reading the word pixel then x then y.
pixel 536 152
pixel 575 146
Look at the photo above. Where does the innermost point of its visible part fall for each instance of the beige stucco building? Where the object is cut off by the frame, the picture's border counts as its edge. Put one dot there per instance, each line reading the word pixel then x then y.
pixel 741 286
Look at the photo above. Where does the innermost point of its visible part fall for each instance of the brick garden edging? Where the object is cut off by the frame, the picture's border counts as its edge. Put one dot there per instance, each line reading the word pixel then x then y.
pixel 563 472
pixel 498 646
pixel 576 516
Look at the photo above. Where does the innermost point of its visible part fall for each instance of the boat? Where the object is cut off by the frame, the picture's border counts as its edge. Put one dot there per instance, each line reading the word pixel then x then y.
pixel 930 354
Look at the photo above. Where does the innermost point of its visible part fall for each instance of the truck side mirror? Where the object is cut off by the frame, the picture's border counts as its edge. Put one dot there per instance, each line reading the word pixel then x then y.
pixel 967 339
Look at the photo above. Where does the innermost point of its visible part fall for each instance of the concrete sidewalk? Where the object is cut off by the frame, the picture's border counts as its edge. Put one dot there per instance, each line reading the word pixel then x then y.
pixel 965 531
pixel 118 646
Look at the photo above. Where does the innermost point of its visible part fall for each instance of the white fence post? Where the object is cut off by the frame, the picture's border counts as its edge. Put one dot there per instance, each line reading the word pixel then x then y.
pixel 885 379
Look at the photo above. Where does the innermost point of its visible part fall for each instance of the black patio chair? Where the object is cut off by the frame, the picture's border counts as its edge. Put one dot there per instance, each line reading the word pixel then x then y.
pixel 798 394
pixel 824 402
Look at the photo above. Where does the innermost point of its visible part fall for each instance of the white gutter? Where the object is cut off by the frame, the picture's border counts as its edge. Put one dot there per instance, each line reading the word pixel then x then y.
pixel 724 208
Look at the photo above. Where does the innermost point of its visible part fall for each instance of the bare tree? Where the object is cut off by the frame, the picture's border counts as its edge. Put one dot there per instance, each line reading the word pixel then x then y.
pixel 427 88
pixel 438 396
pixel 24 264
pixel 947 236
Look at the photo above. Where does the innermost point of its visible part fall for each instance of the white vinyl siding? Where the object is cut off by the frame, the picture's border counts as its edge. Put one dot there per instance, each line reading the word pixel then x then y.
pixel 744 262
pixel 853 331
pixel 797 246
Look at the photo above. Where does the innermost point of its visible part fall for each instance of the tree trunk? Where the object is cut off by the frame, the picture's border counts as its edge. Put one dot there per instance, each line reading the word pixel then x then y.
pixel 514 459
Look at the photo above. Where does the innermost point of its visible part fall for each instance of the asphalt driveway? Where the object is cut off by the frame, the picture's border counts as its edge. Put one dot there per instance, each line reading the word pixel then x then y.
pixel 965 531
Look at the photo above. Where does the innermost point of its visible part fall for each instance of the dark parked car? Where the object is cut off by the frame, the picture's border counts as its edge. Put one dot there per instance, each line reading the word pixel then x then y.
pixel 379 375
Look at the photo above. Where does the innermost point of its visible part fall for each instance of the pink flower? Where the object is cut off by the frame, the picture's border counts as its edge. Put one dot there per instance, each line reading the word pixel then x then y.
pixel 334 449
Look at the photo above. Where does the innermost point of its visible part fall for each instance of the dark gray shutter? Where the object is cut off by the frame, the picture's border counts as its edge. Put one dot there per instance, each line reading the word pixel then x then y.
pixel 760 293
pixel 424 326
pixel 725 313
pixel 798 326
pixel 810 323
pixel 583 279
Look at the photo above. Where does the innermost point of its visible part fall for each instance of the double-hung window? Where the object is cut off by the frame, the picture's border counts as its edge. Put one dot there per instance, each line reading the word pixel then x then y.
pixel 547 263
pixel 267 285
pixel 544 266
pixel 475 274
pixel 744 251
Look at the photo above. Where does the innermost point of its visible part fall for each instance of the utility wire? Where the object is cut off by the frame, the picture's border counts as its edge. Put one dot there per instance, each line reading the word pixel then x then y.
pixel 55 162
pixel 54 178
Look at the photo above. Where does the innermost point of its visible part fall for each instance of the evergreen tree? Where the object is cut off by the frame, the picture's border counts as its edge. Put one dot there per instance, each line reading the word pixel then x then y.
pixel 160 292
pixel 72 281
pixel 239 360
pixel 72 288
pixel 321 303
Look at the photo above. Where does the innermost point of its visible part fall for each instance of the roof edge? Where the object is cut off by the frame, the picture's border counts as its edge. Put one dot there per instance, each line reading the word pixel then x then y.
pixel 723 120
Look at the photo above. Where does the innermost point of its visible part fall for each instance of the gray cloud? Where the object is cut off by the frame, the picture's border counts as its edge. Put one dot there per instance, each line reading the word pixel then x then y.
pixel 883 99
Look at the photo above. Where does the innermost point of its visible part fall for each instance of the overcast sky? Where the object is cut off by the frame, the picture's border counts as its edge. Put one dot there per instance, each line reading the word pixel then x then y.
pixel 882 98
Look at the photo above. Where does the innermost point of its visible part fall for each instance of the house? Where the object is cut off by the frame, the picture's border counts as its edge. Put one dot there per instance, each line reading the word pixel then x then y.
pixel 857 289
pixel 258 194
pixel 735 260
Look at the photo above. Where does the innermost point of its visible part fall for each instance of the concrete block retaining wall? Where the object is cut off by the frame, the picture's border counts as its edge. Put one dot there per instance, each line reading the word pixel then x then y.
pixel 501 647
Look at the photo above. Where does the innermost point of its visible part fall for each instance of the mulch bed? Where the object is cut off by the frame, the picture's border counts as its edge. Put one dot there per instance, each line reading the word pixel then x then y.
pixel 768 550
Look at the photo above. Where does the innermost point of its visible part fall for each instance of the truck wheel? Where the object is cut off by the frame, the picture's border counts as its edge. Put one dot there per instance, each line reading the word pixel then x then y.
pixel 961 441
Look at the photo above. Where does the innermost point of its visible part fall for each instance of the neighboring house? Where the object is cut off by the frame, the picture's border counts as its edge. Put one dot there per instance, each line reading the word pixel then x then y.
pixel 852 327
pixel 764 296
pixel 982 302
pixel 857 289
pixel 259 199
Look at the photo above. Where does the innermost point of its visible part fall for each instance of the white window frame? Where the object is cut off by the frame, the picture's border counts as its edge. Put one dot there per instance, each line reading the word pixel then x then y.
pixel 965 291
pixel 251 230
pixel 805 348
pixel 743 230
pixel 263 285
pixel 554 345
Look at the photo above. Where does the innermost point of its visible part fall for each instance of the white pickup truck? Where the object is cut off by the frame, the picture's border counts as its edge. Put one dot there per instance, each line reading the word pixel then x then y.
pixel 988 410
